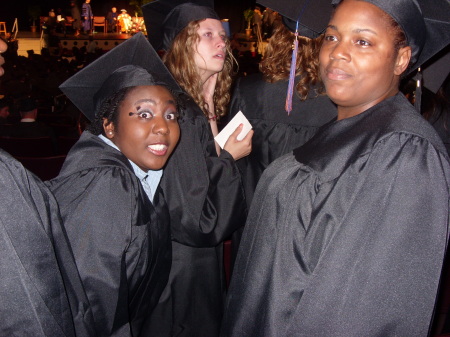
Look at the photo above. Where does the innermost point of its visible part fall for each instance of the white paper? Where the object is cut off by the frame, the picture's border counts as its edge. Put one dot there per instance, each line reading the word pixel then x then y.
pixel 226 132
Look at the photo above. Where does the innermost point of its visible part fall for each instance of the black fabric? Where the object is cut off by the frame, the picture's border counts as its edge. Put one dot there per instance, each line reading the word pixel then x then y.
pixel 121 242
pixel 312 15
pixel 275 131
pixel 169 17
pixel 40 290
pixel 206 205
pixel 83 87
pixel 347 234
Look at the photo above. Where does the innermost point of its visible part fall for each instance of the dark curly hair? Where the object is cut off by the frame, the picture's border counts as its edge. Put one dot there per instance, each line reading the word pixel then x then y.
pixel 276 63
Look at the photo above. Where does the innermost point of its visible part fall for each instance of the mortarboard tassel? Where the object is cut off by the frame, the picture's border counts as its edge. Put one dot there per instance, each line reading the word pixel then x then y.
pixel 418 92
pixel 288 105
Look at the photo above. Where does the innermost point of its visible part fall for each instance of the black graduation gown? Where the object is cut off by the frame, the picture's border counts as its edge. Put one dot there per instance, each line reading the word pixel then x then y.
pixel 275 131
pixel 40 290
pixel 206 205
pixel 346 235
pixel 120 240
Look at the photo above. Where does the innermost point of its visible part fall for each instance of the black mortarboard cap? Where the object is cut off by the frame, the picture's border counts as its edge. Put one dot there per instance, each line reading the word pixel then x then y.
pixel 164 19
pixel 312 15
pixel 132 63
pixel 425 22
pixel 435 71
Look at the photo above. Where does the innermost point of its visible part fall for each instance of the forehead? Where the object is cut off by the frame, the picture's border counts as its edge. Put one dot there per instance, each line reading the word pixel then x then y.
pixel 150 92
pixel 211 24
pixel 359 14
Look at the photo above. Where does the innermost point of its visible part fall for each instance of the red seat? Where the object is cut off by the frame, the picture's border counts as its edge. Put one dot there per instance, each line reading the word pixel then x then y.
pixel 45 168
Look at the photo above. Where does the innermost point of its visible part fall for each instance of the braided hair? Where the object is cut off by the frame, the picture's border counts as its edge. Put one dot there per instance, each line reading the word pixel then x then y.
pixel 109 110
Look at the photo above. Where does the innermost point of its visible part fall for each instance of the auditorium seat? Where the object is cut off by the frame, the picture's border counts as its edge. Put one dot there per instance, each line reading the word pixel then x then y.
pixel 45 168
pixel 28 147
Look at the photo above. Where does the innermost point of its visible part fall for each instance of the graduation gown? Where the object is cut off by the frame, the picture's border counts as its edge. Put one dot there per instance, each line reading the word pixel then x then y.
pixel 275 131
pixel 40 290
pixel 120 240
pixel 347 234
pixel 206 205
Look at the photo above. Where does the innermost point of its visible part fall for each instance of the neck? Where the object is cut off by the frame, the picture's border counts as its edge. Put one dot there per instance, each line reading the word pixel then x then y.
pixel 351 111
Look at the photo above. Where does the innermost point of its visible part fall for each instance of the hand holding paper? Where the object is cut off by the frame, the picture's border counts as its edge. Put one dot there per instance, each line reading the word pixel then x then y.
pixel 238 119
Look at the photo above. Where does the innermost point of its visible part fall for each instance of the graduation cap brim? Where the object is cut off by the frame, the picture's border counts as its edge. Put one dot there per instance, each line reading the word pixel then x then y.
pixel 436 70
pixel 161 32
pixel 82 87
pixel 312 15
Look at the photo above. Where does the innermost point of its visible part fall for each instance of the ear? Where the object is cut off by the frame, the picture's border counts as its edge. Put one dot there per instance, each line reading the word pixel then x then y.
pixel 403 58
pixel 109 128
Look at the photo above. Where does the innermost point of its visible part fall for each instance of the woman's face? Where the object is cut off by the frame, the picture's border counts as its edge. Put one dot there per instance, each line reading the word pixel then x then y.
pixel 147 129
pixel 210 50
pixel 358 62
pixel 3 47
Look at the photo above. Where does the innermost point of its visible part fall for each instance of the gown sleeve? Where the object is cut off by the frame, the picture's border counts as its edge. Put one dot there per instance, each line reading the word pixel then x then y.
pixel 35 283
pixel 98 208
pixel 204 191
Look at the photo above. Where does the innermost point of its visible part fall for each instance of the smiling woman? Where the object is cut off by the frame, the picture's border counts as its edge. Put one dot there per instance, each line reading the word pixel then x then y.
pixel 108 189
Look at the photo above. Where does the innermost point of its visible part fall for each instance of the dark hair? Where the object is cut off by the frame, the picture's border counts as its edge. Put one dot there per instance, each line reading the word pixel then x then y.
pixel 109 110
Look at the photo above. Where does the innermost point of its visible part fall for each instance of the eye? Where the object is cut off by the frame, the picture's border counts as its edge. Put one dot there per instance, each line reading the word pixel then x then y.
pixel 363 43
pixel 208 34
pixel 330 38
pixel 144 114
pixel 172 116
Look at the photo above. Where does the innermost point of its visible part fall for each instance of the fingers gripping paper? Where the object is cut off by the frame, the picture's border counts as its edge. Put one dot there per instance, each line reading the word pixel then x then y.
pixel 226 132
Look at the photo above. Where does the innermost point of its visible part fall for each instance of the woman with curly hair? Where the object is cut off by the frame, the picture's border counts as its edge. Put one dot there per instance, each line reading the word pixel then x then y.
pixel 207 199
pixel 261 98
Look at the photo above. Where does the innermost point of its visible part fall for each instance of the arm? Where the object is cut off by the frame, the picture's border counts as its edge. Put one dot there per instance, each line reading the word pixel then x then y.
pixel 204 192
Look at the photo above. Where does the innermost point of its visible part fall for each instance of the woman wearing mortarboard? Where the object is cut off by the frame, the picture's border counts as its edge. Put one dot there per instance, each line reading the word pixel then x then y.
pixel 207 201
pixel 347 234
pixel 284 103
pixel 111 205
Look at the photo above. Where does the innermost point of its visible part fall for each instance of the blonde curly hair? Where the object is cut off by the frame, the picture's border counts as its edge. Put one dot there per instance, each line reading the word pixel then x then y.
pixel 179 59
pixel 276 63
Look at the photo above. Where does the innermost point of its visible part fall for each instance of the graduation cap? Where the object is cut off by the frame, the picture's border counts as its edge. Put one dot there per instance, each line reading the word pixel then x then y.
pixel 132 63
pixel 312 15
pixel 164 19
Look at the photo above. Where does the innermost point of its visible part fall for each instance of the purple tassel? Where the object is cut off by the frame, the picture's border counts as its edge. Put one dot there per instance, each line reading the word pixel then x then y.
pixel 288 105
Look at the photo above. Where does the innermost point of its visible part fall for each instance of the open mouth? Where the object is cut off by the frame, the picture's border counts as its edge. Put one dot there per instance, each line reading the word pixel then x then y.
pixel 158 149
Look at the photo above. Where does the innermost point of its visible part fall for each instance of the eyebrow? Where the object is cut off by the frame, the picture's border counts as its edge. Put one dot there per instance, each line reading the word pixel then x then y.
pixel 357 30
pixel 145 100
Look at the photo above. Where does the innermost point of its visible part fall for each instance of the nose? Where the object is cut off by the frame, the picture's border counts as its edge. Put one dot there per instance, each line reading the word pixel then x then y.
pixel 160 125
pixel 220 42
pixel 340 51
